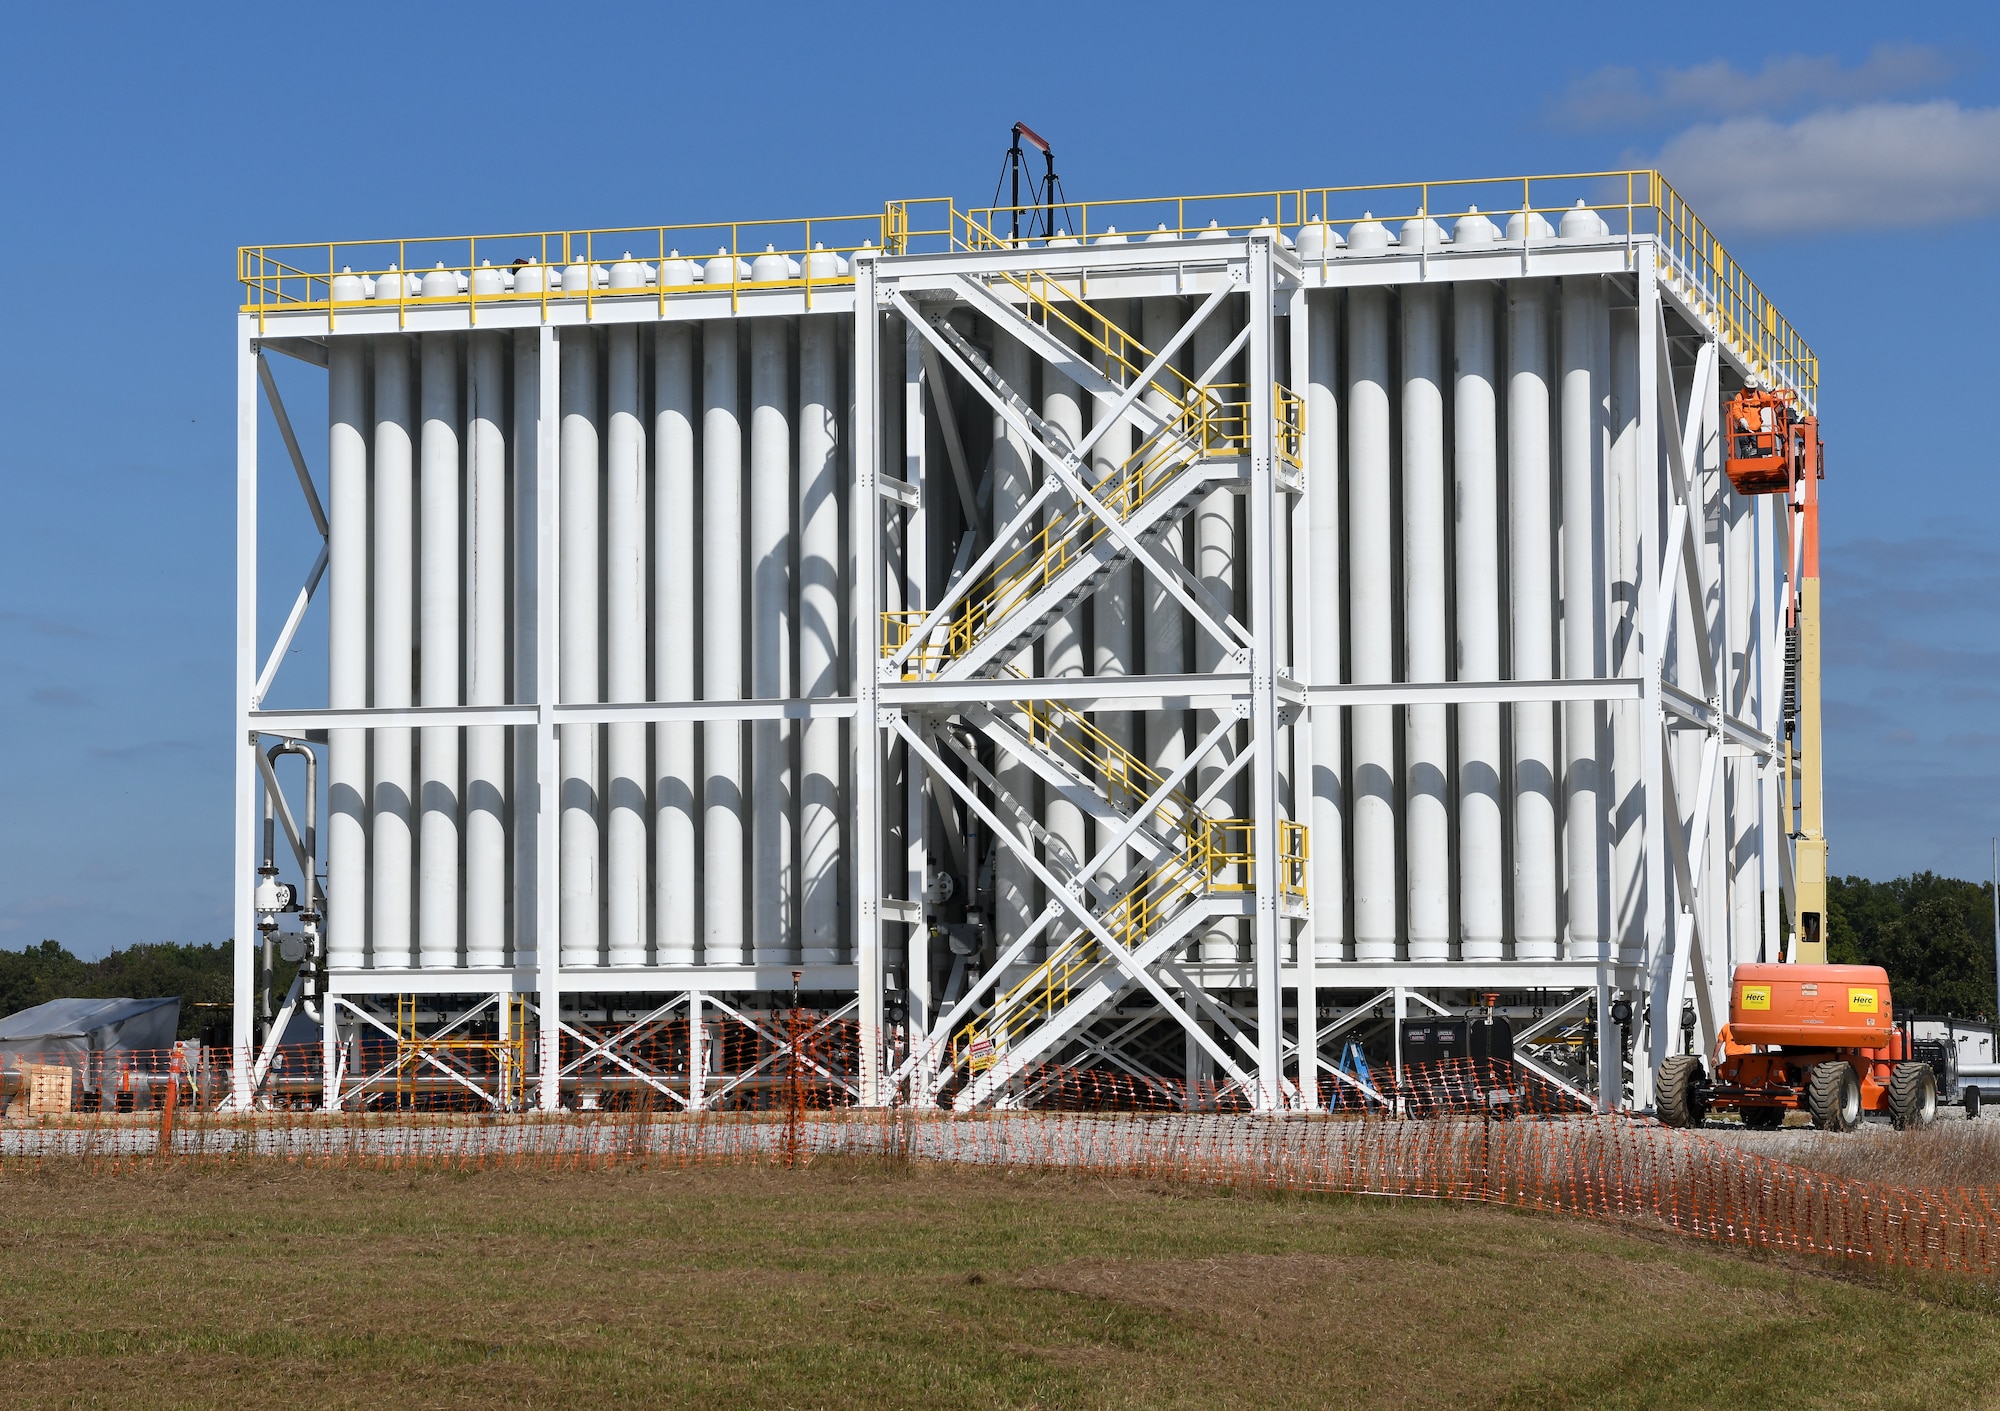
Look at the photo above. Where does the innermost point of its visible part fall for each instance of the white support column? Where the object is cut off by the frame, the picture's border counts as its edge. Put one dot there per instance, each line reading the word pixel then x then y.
pixel 1296 585
pixel 916 598
pixel 1267 950
pixel 1653 618
pixel 865 517
pixel 547 804
pixel 243 916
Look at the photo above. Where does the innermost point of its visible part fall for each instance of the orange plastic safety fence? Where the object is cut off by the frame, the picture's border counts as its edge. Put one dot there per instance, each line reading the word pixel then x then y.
pixel 1465 1131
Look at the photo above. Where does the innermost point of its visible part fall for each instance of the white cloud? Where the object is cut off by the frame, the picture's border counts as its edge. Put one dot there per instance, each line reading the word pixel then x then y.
pixel 1786 83
pixel 1872 166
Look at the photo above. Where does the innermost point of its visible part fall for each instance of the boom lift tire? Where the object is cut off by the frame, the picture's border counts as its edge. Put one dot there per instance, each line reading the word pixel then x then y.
pixel 1834 1095
pixel 1763 1119
pixel 1675 1099
pixel 1912 1096
pixel 1972 1104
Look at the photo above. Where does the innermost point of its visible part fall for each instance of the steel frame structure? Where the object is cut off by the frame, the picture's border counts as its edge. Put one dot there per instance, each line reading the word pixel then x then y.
pixel 1687 707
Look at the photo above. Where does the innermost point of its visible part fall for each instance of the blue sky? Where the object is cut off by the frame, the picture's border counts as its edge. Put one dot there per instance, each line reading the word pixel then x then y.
pixel 1850 155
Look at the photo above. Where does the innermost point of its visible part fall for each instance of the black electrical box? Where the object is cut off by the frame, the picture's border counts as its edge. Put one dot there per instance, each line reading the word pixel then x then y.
pixel 1434 1039
pixel 1493 1038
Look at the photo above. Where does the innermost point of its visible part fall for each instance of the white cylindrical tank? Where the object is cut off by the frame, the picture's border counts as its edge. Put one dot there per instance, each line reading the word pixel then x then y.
pixel 1585 340
pixel 722 643
pixel 486 649
pixel 1328 819
pixel 676 788
pixel 625 804
pixel 1427 813
pixel 1531 606
pixel 439 604
pixel 348 434
pixel 821 632
pixel 392 846
pixel 581 807
pixel 527 822
pixel 1014 888
pixel 1371 619
pixel 1625 807
pixel 1482 916
pixel 771 813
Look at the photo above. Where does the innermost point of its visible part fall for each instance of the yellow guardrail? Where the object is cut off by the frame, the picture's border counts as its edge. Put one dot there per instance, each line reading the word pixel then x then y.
pixel 1635 203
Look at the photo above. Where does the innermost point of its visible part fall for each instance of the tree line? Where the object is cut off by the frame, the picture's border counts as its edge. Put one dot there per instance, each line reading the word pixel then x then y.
pixel 1934 935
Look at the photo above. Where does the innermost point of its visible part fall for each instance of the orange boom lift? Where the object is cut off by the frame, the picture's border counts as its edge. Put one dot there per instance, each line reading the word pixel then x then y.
pixel 1805 1035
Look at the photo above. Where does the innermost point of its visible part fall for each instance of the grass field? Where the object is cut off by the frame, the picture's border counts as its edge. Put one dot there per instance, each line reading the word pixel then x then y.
pixel 864 1286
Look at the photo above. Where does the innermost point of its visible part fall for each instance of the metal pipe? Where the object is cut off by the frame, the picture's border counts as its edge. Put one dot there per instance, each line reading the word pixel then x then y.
pixel 1328 820
pixel 486 650
pixel 581 806
pixel 438 655
pixel 1371 611
pixel 347 651
pixel 625 802
pixel 1531 619
pixel 820 636
pixel 722 645
pixel 674 661
pixel 1482 917
pixel 1427 815
pixel 390 835
pixel 771 813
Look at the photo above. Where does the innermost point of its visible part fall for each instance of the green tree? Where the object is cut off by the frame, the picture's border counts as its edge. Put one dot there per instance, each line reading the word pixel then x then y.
pixel 201 975
pixel 1934 935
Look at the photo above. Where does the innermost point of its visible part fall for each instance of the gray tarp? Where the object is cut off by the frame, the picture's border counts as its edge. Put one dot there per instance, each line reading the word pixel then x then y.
pixel 79 1032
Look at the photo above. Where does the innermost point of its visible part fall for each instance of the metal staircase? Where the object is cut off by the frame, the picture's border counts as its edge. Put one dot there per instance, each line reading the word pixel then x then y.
pixel 1189 866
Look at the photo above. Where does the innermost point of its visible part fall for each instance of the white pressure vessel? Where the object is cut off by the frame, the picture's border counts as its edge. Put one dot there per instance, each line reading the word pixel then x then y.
pixel 1371 618
pixel 1531 608
pixel 1322 577
pixel 821 630
pixel 439 605
pixel 486 647
pixel 1585 349
pixel 1427 814
pixel 676 784
pixel 773 799
pixel 391 844
pixel 626 807
pixel 348 434
pixel 722 590
pixel 1482 918
pixel 581 804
